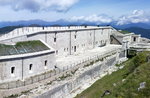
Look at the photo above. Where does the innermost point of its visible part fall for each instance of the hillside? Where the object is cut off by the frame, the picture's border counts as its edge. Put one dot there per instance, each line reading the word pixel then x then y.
pixel 8 29
pixel 125 82
pixel 138 30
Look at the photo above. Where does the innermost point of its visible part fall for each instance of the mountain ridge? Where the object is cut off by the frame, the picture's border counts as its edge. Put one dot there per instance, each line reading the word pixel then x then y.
pixel 137 28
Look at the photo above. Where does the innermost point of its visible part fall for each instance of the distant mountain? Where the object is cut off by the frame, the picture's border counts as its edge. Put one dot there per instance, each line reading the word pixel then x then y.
pixel 23 23
pixel 67 22
pixel 8 29
pixel 140 25
pixel 137 30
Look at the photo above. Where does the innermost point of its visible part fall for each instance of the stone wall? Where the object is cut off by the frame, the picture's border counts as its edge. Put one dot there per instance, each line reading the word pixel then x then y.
pixel 64 90
pixel 65 40
pixel 21 67
pixel 103 62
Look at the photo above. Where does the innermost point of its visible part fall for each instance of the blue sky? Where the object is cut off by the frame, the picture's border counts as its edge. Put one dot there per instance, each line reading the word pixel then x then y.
pixel 75 10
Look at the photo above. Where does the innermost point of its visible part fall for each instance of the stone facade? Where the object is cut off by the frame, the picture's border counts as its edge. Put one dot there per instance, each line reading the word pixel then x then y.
pixel 22 66
pixel 64 40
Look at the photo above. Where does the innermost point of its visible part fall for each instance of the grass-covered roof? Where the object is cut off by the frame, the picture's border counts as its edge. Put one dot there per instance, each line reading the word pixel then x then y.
pixel 22 48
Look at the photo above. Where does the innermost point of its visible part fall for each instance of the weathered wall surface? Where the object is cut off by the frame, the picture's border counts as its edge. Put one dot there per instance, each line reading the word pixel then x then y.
pixel 65 42
pixel 21 66
pixel 74 42
pixel 64 90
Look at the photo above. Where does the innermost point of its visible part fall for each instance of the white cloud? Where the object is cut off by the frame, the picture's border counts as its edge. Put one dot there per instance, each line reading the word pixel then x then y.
pixel 137 16
pixel 93 18
pixel 37 5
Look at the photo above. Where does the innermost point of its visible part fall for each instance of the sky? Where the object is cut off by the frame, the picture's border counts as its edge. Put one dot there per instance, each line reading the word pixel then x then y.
pixel 100 11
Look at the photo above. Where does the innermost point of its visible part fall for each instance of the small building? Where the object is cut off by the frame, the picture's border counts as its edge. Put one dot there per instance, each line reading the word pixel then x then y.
pixel 25 59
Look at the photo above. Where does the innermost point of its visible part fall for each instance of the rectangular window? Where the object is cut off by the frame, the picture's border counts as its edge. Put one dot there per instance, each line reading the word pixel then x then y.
pixel 56 52
pixel 30 67
pixel 12 70
pixel 75 36
pixel 134 39
pixel 55 39
pixel 74 48
pixel 45 62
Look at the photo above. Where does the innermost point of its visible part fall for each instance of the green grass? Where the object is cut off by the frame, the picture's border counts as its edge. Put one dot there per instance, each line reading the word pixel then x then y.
pixel 136 70
pixel 124 32
pixel 22 47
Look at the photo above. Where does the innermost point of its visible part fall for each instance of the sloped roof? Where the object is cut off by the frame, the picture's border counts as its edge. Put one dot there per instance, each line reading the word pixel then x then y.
pixel 22 48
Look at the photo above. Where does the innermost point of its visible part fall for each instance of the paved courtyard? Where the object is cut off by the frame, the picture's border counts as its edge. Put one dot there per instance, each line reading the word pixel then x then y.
pixel 72 60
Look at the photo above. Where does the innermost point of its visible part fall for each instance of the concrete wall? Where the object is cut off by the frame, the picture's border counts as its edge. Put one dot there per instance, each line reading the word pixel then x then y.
pixel 21 65
pixel 69 41
pixel 65 89
pixel 73 42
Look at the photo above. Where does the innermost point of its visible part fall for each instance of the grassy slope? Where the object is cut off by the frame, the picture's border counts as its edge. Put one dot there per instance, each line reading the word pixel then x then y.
pixel 136 70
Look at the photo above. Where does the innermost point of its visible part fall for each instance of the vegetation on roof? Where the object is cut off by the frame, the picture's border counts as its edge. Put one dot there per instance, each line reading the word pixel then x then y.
pixel 124 83
pixel 124 32
pixel 22 47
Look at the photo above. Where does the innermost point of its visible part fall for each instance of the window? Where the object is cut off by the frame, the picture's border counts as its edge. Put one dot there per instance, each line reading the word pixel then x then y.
pixel 56 52
pixel 134 39
pixel 74 48
pixel 45 62
pixel 55 39
pixel 30 66
pixel 75 36
pixel 12 70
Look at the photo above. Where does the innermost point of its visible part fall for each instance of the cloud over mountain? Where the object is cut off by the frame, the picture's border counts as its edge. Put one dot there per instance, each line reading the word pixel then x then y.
pixel 98 19
pixel 137 16
pixel 38 5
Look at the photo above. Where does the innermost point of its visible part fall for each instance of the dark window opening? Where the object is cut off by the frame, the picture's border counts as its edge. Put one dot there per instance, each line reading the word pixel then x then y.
pixel 55 39
pixel 30 67
pixel 56 52
pixel 75 36
pixel 12 70
pixel 45 62
pixel 134 39
pixel 74 48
